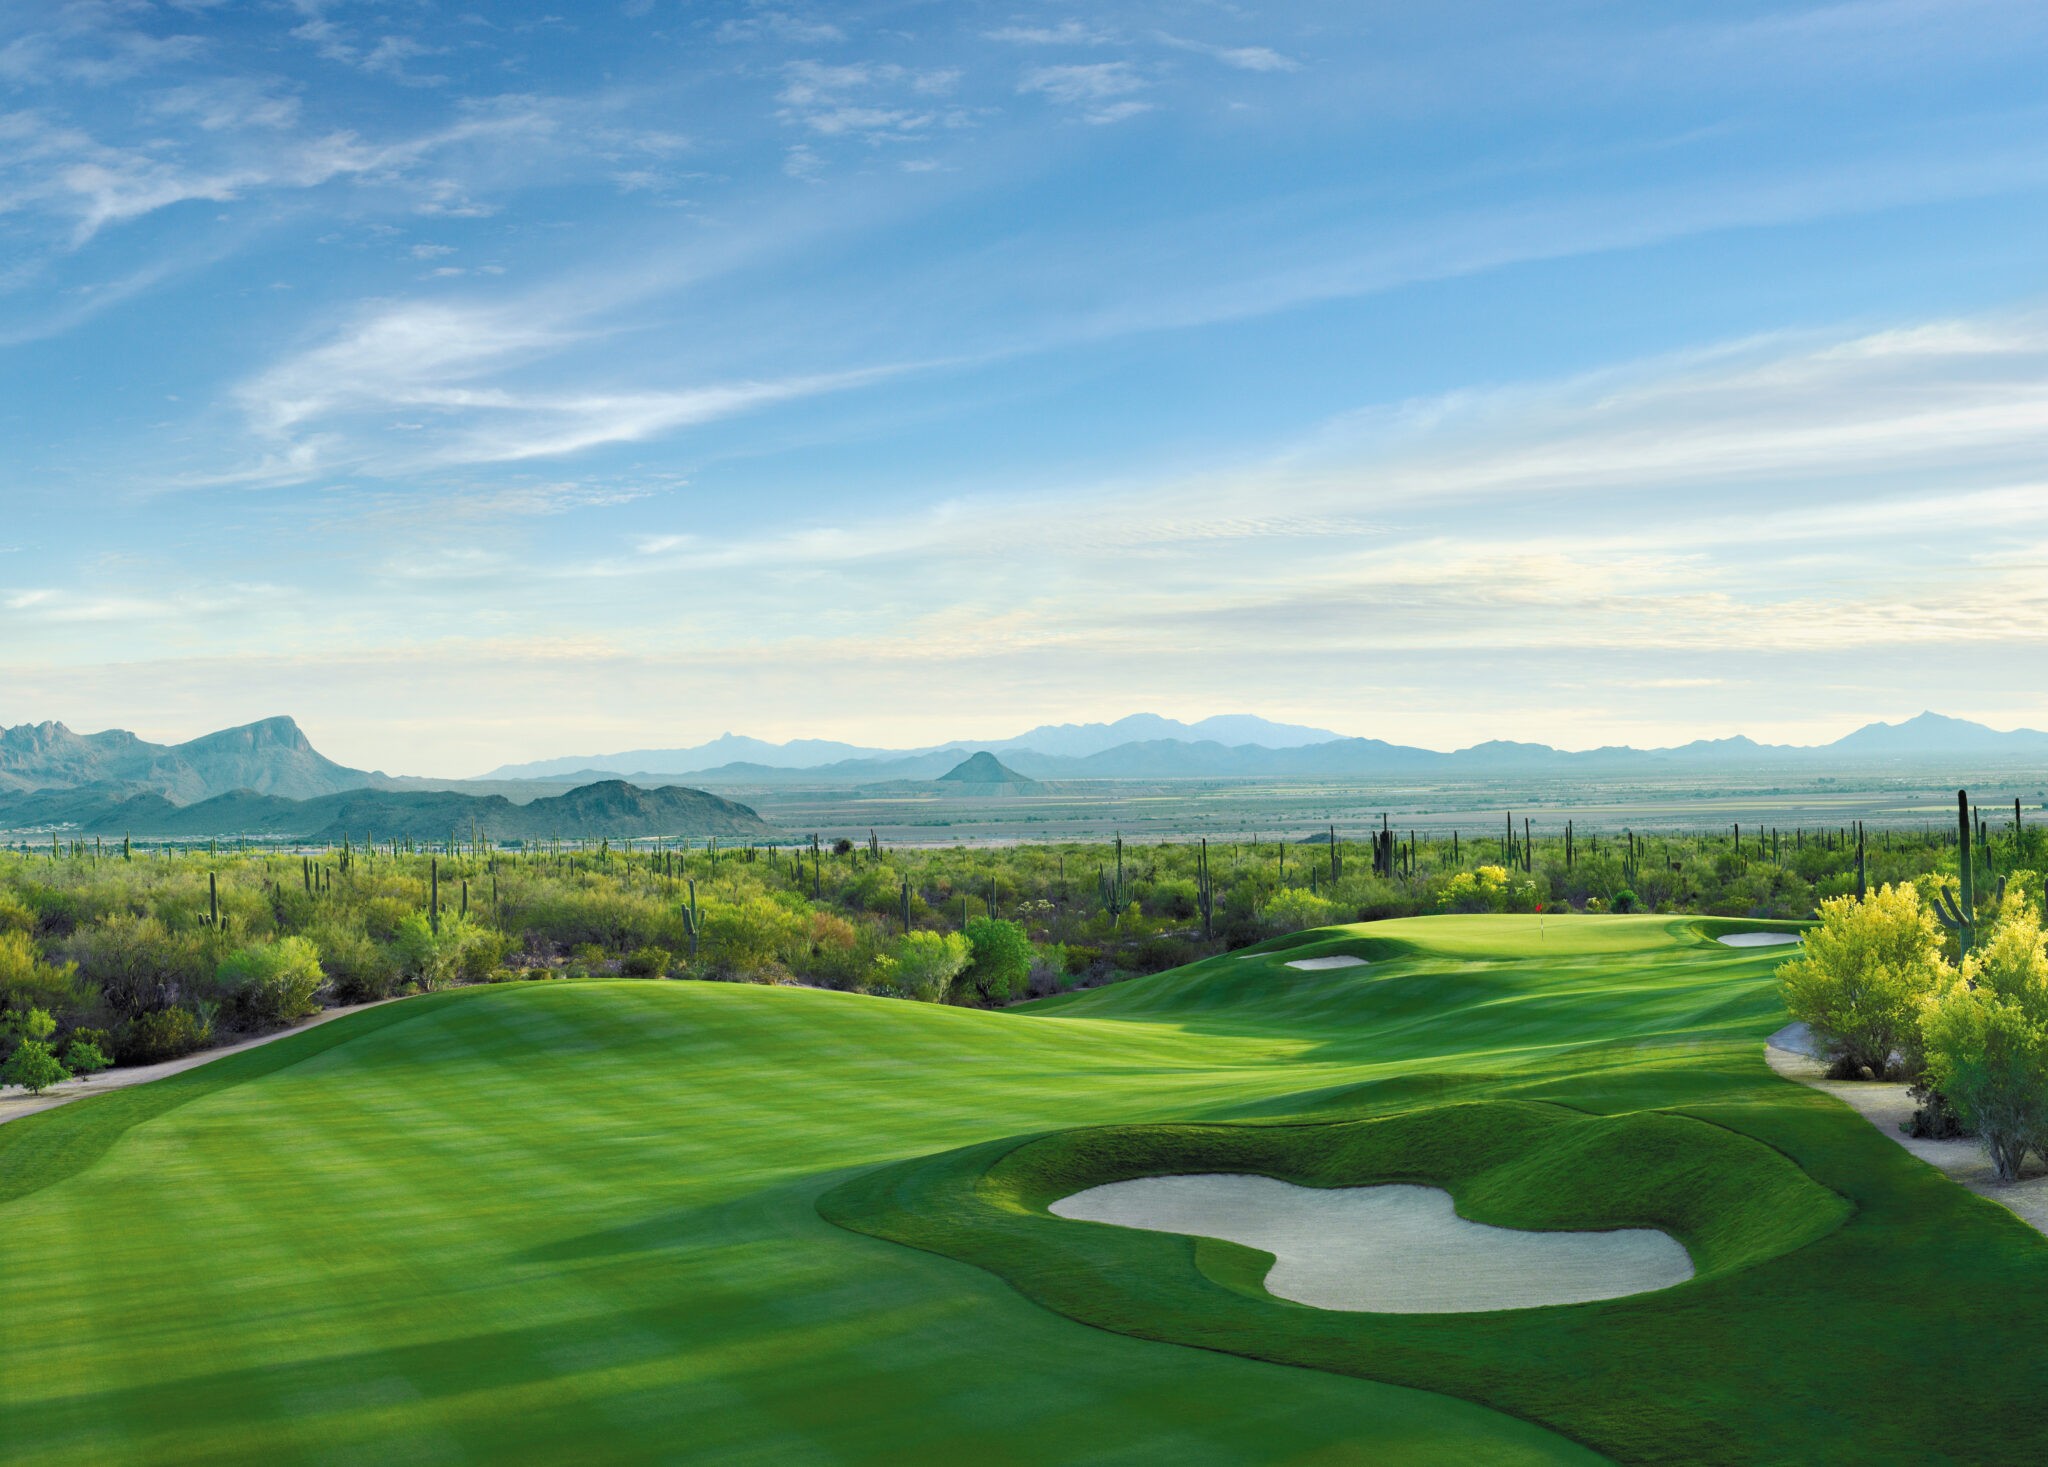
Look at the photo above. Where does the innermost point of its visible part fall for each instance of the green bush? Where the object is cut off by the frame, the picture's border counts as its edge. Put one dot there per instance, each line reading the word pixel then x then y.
pixel 139 964
pixel 1157 954
pixel 14 917
pixel 479 951
pixel 33 1067
pixel 923 965
pixel 27 982
pixel 646 962
pixel 360 970
pixel 1002 959
pixel 164 1034
pixel 751 938
pixel 274 982
pixel 1294 908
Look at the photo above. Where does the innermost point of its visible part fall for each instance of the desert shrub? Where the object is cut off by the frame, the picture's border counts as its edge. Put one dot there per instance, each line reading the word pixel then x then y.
pixel 1859 982
pixel 56 910
pixel 14 917
pixel 163 1034
pixel 1293 908
pixel 749 938
pixel 614 919
pixel 359 969
pixel 425 956
pixel 1048 971
pixel 138 964
pixel 480 951
pixel 1177 899
pixel 383 916
pixel 1624 900
pixel 1986 1035
pixel 923 965
pixel 587 953
pixel 841 954
pixel 877 889
pixel 274 982
pixel 1157 954
pixel 646 962
pixel 1080 959
pixel 27 982
pixel 1001 964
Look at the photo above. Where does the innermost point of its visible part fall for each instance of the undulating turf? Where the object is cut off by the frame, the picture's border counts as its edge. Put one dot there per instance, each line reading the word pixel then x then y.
pixel 578 1222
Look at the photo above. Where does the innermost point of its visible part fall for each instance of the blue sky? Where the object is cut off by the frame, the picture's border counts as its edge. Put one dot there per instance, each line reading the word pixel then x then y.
pixel 494 383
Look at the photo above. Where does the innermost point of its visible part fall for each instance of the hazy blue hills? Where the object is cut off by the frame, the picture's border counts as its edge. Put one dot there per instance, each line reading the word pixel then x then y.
pixel 1288 752
pixel 114 782
pixel 612 809
pixel 1064 740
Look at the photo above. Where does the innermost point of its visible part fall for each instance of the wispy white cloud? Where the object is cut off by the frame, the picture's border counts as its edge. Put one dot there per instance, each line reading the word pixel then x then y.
pixel 1066 33
pixel 329 408
pixel 1093 87
pixel 779 25
pixel 1244 58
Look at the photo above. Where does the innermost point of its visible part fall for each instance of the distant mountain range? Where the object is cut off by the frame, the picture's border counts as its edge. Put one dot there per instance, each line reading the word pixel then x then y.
pixel 272 757
pixel 613 808
pixel 1068 740
pixel 1929 738
pixel 267 778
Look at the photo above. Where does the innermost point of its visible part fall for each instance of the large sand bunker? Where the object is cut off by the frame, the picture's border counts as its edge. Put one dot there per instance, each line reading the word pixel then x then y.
pixel 1758 939
pixel 1393 1249
pixel 1316 965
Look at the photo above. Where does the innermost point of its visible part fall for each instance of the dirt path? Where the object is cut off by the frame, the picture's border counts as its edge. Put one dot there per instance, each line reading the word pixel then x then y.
pixel 16 1102
pixel 1886 1106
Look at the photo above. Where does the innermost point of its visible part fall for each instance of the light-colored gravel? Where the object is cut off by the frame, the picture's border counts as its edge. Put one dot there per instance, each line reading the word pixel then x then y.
pixel 1388 1250
pixel 1887 1106
pixel 1317 965
pixel 16 1102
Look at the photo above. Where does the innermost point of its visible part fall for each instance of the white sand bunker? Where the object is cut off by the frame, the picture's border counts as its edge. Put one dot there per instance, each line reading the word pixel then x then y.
pixel 1758 939
pixel 1388 1250
pixel 1316 965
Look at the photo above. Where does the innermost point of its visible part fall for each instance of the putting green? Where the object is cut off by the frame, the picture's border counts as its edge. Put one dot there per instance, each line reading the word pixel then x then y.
pixel 578 1222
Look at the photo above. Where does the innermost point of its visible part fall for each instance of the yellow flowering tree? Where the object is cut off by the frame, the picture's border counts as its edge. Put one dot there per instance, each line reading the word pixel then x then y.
pixel 1859 982
pixel 1986 1035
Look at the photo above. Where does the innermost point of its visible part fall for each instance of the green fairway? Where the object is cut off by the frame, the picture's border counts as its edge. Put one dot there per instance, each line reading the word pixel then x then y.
pixel 579 1222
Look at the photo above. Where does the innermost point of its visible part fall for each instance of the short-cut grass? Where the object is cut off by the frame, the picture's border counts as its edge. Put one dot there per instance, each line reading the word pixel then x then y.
pixel 579 1222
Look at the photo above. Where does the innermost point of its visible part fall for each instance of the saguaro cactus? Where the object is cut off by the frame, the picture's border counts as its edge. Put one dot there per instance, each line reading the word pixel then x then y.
pixel 1960 917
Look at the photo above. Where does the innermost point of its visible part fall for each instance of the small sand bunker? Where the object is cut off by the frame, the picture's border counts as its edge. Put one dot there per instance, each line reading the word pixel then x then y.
pixel 1316 965
pixel 1394 1249
pixel 1758 939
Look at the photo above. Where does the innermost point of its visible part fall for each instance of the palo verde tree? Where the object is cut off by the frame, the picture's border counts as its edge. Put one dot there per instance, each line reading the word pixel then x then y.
pixel 1986 1035
pixel 1862 976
